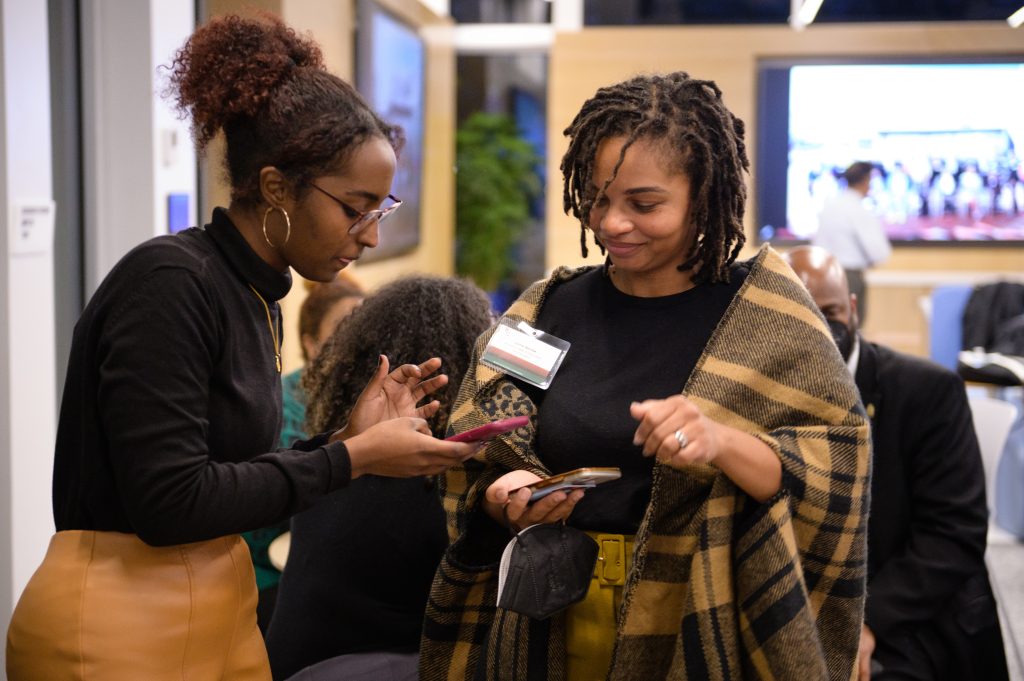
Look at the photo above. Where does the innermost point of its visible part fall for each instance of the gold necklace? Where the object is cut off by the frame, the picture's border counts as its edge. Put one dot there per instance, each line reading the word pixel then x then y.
pixel 273 333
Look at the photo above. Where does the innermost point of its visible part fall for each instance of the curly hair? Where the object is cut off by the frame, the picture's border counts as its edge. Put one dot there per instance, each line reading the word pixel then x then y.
pixel 266 87
pixel 409 320
pixel 690 117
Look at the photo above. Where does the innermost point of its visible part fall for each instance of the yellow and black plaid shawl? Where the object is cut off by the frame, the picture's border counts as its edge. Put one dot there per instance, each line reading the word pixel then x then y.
pixel 722 587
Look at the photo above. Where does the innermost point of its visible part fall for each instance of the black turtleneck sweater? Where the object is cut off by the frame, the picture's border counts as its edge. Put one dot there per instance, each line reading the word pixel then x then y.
pixel 172 402
pixel 624 349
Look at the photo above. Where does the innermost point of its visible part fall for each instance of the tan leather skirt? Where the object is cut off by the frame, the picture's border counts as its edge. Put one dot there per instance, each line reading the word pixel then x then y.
pixel 106 606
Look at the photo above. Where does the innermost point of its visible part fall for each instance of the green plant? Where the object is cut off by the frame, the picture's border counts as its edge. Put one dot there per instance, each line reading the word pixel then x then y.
pixel 496 178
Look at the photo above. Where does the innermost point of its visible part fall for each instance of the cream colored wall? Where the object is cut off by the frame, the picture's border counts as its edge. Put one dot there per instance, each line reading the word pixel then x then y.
pixel 582 62
pixel 332 24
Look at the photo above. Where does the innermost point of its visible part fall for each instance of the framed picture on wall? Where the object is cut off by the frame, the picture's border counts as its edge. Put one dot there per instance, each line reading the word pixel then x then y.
pixel 390 62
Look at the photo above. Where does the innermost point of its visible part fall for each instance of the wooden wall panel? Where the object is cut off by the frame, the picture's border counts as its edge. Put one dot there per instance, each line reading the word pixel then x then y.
pixel 581 62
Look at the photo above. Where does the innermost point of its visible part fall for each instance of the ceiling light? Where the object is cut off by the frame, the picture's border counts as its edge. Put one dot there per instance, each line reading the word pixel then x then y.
pixel 1016 19
pixel 802 17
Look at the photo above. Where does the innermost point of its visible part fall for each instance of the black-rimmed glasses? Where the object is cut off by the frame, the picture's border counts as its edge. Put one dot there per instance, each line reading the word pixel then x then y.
pixel 363 219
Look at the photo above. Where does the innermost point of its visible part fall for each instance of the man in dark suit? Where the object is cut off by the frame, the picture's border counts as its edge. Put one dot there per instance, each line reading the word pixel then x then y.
pixel 930 610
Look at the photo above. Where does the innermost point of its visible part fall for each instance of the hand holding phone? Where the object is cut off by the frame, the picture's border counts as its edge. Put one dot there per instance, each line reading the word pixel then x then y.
pixel 490 430
pixel 581 478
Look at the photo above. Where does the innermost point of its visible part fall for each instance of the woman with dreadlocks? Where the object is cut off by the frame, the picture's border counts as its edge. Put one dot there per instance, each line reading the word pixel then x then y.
pixel 733 544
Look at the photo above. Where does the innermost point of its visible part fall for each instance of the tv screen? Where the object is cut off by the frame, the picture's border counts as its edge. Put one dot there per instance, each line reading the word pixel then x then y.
pixel 945 139
pixel 389 74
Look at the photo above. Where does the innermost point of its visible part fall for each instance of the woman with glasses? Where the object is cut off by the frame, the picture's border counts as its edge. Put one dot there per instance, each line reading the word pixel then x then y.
pixel 361 219
pixel 172 404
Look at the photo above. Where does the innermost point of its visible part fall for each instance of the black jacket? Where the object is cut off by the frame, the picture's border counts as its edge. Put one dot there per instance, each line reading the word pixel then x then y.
pixel 988 309
pixel 927 579
pixel 172 402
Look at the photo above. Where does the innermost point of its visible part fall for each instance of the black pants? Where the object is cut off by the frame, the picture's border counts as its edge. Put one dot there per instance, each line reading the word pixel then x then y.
pixel 963 643
pixel 915 658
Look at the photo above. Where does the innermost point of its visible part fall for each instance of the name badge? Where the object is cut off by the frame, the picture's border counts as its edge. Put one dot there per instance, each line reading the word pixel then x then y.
pixel 525 352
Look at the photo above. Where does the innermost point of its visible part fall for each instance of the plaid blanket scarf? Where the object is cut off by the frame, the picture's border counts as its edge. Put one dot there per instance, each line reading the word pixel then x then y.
pixel 722 587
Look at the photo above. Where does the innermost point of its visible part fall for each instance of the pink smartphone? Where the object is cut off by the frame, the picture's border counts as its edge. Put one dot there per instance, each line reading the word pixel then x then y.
pixel 489 430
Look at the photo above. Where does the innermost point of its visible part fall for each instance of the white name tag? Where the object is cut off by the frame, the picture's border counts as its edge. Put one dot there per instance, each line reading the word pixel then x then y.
pixel 526 353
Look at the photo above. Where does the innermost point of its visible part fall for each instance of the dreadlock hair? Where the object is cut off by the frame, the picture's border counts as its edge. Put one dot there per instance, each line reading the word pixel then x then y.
pixel 409 320
pixel 707 141
pixel 266 87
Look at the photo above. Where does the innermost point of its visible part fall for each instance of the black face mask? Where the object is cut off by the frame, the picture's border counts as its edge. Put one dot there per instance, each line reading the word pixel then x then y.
pixel 843 337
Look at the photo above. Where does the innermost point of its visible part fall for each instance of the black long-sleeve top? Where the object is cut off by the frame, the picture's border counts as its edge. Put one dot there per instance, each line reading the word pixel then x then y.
pixel 610 330
pixel 172 402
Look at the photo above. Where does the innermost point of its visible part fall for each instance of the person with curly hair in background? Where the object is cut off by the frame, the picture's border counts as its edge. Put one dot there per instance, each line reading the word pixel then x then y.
pixel 166 442
pixel 322 310
pixel 733 544
pixel 350 602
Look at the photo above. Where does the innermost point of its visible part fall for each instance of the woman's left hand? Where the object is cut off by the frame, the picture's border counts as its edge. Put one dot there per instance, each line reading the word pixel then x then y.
pixel 679 434
pixel 395 394
pixel 675 431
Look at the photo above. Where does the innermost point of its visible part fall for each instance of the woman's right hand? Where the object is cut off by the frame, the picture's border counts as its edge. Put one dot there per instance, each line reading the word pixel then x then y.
pixel 391 394
pixel 404 448
pixel 515 511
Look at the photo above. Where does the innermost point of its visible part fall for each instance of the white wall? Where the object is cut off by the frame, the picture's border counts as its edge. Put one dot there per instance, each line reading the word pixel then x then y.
pixel 174 158
pixel 128 170
pixel 27 349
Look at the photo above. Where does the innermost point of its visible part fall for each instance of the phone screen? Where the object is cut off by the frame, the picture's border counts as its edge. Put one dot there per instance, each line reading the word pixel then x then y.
pixel 581 478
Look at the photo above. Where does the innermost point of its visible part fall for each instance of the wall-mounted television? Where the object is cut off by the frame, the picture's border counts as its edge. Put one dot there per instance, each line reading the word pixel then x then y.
pixel 946 137
pixel 390 62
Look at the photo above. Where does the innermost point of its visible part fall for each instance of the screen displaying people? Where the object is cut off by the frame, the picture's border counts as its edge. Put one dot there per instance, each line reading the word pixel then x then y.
pixel 947 169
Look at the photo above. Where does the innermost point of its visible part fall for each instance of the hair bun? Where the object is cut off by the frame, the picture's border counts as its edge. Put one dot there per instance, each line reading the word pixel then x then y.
pixel 230 67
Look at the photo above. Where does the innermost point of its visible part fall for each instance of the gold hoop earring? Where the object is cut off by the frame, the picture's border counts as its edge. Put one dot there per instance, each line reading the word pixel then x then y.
pixel 287 222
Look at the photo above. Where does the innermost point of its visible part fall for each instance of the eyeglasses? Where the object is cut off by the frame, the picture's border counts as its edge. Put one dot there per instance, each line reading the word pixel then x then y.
pixel 362 219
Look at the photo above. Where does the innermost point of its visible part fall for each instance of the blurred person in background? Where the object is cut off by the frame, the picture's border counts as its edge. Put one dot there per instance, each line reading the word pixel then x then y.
pixel 851 232
pixel 324 307
pixel 360 563
pixel 930 612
